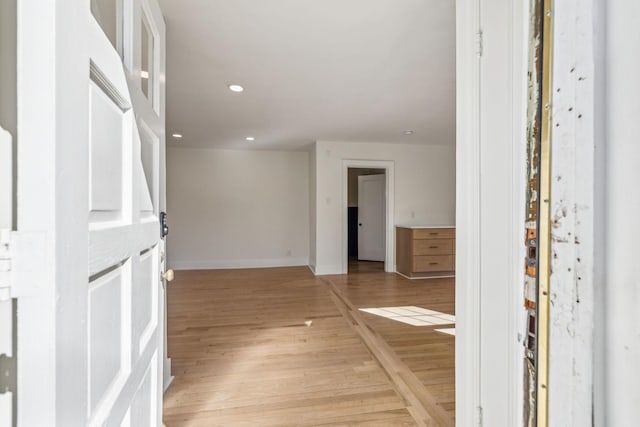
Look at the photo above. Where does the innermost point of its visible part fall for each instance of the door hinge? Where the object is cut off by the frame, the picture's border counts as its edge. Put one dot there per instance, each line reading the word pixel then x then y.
pixel 479 43
pixel 479 416
pixel 8 377
pixel 24 259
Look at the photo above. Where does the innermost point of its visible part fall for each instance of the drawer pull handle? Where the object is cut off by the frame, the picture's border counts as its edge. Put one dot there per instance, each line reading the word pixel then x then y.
pixel 433 247
pixel 433 234
pixel 433 263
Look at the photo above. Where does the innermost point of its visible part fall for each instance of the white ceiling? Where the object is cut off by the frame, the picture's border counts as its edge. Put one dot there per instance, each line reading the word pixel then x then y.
pixel 339 70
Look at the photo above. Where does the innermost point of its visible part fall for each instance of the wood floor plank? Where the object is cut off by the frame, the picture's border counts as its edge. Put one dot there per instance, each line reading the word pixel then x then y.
pixel 270 347
pixel 429 355
pixel 423 406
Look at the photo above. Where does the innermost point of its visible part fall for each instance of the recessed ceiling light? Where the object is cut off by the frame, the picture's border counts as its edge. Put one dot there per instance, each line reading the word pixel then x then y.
pixel 250 138
pixel 408 132
pixel 177 135
pixel 236 88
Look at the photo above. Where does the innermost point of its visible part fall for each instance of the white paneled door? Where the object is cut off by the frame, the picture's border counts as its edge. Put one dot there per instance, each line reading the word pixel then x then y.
pixel 90 169
pixel 372 209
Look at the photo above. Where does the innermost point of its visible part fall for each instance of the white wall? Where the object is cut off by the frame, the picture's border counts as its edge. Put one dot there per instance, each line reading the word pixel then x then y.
pixel 237 209
pixel 424 190
pixel 621 206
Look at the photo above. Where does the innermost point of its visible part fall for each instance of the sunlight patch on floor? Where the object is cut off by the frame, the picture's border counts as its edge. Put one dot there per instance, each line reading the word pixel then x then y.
pixel 416 316
pixel 448 331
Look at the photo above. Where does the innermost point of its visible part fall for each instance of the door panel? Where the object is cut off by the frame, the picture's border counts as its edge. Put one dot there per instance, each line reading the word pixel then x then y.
pixel 109 329
pixel 150 148
pixel 147 58
pixel 145 204
pixel 145 400
pixel 145 300
pixel 123 309
pixel 371 217
pixel 106 153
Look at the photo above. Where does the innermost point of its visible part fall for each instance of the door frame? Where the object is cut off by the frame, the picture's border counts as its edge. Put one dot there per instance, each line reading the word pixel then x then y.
pixel 389 172
pixel 491 37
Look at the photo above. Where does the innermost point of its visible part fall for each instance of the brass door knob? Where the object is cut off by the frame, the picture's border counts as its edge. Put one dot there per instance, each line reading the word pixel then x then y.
pixel 168 275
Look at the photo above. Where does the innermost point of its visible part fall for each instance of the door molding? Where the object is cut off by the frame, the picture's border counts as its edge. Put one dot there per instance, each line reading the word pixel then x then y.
pixel 389 172
pixel 480 56
pixel 467 293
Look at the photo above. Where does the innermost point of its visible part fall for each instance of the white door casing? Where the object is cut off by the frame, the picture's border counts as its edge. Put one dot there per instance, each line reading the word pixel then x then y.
pixel 371 217
pixel 90 329
pixel 389 171
pixel 6 303
pixel 491 44
pixel 8 107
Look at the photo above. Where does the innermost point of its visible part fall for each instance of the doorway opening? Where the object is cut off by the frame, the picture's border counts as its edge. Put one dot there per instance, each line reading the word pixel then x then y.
pixel 368 242
pixel 366 200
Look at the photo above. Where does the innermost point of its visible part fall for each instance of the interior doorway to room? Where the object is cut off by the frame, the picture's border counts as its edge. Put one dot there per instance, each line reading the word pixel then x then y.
pixel 366 225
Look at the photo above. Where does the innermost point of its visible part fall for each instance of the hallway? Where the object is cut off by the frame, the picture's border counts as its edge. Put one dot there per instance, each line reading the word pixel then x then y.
pixel 275 347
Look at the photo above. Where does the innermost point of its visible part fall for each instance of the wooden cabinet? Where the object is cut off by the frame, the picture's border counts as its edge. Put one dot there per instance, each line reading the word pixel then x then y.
pixel 423 252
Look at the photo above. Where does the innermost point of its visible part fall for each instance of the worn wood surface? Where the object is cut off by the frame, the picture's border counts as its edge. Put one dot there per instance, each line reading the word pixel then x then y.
pixel 280 347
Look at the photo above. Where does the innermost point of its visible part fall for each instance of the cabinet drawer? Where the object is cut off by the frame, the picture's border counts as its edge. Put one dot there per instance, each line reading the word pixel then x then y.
pixel 434 233
pixel 433 247
pixel 423 263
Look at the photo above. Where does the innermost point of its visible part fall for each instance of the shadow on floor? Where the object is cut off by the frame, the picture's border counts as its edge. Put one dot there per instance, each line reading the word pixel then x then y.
pixel 356 266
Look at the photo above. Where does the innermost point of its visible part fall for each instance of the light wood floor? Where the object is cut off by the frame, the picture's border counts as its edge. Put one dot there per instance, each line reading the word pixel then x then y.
pixel 280 347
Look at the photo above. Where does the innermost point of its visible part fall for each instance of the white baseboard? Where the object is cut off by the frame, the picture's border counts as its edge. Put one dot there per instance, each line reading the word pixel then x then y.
pixel 167 382
pixel 168 378
pixel 322 270
pixel 237 263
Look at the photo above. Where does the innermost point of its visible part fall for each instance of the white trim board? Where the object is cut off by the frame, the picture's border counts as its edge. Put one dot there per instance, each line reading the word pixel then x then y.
pixel 467 341
pixel 389 172
pixel 491 69
pixel 325 270
pixel 238 263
